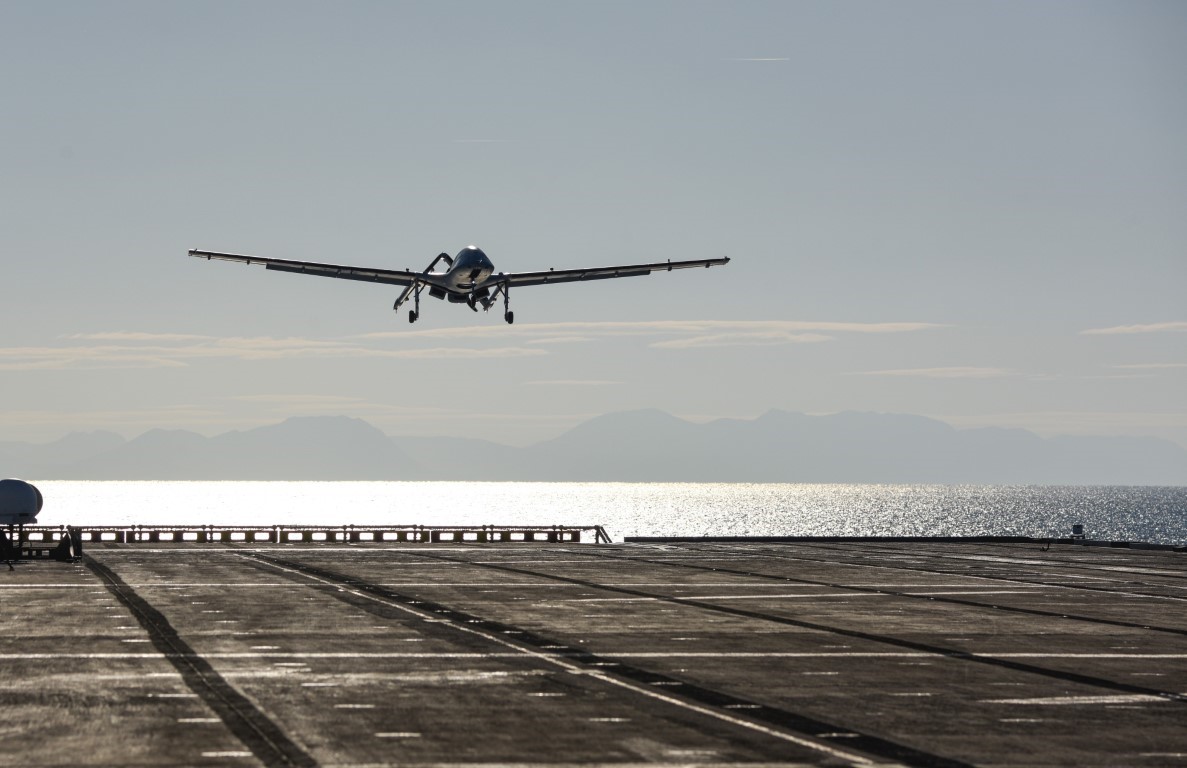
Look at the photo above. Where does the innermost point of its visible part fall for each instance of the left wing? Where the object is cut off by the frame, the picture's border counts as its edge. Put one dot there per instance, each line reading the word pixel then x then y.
pixel 597 273
pixel 365 274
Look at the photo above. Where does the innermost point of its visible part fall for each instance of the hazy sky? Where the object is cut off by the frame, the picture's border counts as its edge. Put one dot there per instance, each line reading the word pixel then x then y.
pixel 972 211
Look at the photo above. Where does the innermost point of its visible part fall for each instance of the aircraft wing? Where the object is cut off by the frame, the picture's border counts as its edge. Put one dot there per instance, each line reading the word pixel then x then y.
pixel 598 273
pixel 365 274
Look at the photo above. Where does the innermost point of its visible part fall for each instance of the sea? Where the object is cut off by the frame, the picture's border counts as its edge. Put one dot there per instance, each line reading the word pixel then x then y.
pixel 1115 513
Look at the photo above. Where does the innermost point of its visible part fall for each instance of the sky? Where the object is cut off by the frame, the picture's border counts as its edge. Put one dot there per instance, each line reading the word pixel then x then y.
pixel 970 211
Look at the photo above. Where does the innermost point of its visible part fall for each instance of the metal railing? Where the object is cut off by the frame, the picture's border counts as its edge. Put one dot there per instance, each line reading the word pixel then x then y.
pixel 44 535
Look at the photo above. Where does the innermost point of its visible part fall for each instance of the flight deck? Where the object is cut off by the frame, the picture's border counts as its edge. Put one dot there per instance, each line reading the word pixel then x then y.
pixel 680 652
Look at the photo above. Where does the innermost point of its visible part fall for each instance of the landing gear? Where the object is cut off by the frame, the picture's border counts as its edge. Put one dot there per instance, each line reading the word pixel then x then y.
pixel 488 301
pixel 414 313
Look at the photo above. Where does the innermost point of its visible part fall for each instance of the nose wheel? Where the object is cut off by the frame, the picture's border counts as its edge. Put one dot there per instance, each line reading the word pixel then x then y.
pixel 509 317
pixel 413 315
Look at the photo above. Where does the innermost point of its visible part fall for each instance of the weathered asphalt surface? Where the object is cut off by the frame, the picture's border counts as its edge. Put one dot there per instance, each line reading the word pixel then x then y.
pixel 929 654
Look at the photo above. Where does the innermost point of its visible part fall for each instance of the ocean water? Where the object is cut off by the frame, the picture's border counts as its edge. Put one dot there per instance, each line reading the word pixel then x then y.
pixel 1150 514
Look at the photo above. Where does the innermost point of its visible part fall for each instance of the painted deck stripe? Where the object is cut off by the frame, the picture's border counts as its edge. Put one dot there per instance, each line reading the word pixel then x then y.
pixel 851 758
pixel 902 564
pixel 667 598
pixel 1079 700
pixel 791 727
pixel 974 592
pixel 791 580
pixel 499 584
pixel 953 653
pixel 42 656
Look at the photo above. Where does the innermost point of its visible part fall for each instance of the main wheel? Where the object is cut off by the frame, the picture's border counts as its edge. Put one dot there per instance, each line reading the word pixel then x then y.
pixel 509 317
pixel 412 315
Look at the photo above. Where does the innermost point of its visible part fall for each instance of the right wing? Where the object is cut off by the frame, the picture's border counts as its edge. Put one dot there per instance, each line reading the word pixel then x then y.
pixel 365 274
pixel 598 273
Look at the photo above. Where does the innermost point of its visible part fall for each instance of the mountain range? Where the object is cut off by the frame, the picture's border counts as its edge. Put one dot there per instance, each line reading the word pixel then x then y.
pixel 634 446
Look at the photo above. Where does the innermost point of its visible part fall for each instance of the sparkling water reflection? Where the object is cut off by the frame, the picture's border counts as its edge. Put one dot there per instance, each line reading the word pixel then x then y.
pixel 641 509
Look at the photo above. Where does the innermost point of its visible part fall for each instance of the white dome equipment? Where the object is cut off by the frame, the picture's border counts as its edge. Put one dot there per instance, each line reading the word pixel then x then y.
pixel 19 502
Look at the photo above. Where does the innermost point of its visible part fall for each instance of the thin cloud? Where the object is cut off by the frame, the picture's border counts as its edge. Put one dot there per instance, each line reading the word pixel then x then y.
pixel 135 336
pixel 1151 366
pixel 572 383
pixel 144 350
pixel 163 417
pixel 291 399
pixel 289 404
pixel 82 358
pixel 757 339
pixel 186 350
pixel 1177 326
pixel 546 332
pixel 1119 376
pixel 537 418
pixel 758 58
pixel 452 353
pixel 561 340
pixel 954 372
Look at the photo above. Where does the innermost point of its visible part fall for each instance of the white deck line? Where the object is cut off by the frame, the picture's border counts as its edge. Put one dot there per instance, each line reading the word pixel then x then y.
pixel 47 656
pixel 686 598
pixel 840 754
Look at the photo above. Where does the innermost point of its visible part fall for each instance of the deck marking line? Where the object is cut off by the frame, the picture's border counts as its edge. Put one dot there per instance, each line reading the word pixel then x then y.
pixel 884 639
pixel 1056 585
pixel 789 721
pixel 1061 700
pixel 901 566
pixel 850 757
pixel 41 656
pixel 793 596
pixel 953 600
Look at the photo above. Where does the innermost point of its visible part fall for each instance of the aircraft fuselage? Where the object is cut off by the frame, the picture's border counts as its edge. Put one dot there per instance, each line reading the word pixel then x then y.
pixel 469 269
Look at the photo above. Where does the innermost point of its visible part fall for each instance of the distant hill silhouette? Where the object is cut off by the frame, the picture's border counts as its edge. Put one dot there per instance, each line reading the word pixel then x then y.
pixel 635 446
pixel 314 448
pixel 48 460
